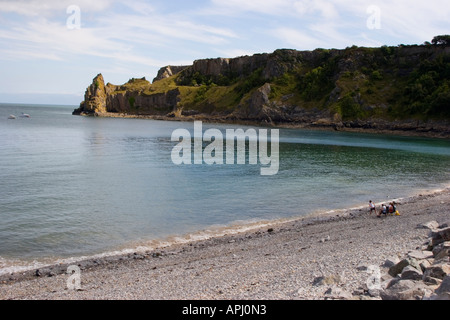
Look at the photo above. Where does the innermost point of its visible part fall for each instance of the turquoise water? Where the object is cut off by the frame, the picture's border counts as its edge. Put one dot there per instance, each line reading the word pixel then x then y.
pixel 73 186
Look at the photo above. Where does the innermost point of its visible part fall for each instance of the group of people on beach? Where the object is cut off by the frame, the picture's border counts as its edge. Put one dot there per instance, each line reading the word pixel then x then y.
pixel 390 209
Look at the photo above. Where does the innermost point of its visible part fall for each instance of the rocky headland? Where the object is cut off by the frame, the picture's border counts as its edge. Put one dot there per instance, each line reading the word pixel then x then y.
pixel 402 89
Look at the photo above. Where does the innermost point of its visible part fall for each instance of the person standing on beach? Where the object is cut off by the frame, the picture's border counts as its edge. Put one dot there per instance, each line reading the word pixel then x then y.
pixel 372 207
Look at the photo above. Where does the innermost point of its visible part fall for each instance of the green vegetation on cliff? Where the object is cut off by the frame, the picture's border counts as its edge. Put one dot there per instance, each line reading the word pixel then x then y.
pixel 357 83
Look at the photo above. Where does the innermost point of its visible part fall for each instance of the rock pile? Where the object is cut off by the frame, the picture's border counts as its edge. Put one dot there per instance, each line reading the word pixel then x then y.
pixel 423 274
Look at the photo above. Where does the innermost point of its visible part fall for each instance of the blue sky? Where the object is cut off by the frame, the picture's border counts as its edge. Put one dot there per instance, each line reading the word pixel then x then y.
pixel 51 49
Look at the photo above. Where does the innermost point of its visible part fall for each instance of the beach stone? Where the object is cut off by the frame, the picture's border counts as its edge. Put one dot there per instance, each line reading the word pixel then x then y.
pixel 443 291
pixel 429 225
pixel 391 261
pixel 442 250
pixel 439 271
pixel 317 281
pixel 374 293
pixel 424 264
pixel 403 290
pixel 445 224
pixel 420 255
pixel 440 235
pixel 411 273
pixel 327 280
pixel 389 283
pixel 362 267
pixel 368 298
pixel 386 280
pixel 431 280
pixel 428 292
pixel 337 293
pixel 398 268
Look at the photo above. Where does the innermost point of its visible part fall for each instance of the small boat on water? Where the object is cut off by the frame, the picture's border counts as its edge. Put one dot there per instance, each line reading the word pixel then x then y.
pixel 11 116
pixel 25 115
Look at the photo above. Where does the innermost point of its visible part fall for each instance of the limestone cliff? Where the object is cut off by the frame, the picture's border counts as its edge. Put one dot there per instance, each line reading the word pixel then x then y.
pixel 95 97
pixel 404 87
pixel 134 97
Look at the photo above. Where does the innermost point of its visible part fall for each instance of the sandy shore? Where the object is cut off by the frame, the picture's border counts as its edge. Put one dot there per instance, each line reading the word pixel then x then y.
pixel 281 261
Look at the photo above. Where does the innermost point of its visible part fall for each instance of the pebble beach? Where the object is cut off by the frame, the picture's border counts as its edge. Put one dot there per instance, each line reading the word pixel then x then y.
pixel 308 258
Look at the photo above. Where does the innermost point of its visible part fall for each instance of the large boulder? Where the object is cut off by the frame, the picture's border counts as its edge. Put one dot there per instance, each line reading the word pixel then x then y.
pixel 438 270
pixel 443 292
pixel 411 273
pixel 442 250
pixel 404 290
pixel 398 268
pixel 440 235
pixel 391 261
pixel 420 255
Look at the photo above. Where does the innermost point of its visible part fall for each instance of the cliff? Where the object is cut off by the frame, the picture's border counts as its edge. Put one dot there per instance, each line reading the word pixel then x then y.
pixel 401 88
pixel 95 97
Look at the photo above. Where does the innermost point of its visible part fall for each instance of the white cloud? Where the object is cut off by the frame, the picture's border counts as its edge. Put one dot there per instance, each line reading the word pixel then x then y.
pixel 119 36
pixel 140 7
pixel 402 19
pixel 162 29
pixel 272 7
pixel 344 22
pixel 326 9
pixel 421 20
pixel 297 39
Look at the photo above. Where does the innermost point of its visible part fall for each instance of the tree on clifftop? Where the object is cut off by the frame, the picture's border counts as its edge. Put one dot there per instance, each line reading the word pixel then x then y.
pixel 441 40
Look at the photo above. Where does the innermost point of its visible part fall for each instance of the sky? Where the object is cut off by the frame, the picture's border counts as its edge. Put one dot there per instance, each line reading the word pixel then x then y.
pixel 50 50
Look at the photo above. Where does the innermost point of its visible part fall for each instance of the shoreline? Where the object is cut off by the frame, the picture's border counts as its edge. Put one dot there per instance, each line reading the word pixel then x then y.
pixel 52 266
pixel 404 129
pixel 247 256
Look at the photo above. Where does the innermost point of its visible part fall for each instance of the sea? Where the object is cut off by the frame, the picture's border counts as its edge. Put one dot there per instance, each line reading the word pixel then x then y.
pixel 74 187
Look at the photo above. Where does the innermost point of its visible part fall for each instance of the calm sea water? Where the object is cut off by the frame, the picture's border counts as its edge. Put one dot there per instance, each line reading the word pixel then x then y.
pixel 74 186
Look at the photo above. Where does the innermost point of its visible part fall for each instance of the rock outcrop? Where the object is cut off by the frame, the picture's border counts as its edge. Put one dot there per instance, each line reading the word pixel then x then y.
pixel 94 98
pixel 271 65
pixel 168 71
pixel 423 274
pixel 130 98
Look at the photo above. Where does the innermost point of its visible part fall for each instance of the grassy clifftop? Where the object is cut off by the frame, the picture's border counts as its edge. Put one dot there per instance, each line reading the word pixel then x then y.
pixel 356 84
